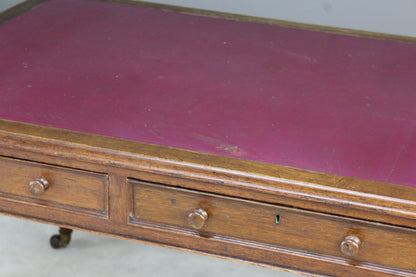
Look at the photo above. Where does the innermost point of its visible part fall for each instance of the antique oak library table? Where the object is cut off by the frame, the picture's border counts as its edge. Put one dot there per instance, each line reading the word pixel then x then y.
pixel 275 145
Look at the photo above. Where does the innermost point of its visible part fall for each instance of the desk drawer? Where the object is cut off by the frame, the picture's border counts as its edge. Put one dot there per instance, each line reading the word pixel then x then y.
pixel 211 215
pixel 53 186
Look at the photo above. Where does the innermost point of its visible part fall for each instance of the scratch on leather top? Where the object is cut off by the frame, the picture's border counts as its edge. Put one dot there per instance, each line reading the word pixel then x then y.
pixel 324 102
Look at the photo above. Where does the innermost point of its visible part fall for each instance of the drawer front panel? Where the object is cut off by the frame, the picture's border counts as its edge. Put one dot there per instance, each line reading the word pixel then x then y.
pixel 66 188
pixel 210 215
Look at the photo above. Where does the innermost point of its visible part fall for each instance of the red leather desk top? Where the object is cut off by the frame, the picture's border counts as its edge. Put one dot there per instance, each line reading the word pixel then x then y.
pixel 317 101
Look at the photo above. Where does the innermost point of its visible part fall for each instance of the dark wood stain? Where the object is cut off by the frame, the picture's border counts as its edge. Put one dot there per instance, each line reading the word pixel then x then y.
pixel 144 193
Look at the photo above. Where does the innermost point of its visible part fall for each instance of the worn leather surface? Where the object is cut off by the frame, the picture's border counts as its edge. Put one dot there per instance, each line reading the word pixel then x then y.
pixel 330 103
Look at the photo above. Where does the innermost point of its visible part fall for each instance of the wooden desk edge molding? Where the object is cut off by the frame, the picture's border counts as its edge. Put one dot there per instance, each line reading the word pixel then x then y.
pixel 300 220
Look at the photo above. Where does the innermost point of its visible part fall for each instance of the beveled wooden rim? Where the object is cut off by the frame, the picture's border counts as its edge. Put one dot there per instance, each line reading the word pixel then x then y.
pixel 263 20
pixel 29 4
pixel 318 192
pixel 300 262
pixel 274 184
pixel 19 9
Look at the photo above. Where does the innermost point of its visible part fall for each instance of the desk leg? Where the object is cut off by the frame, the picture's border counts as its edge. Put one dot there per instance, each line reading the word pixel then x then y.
pixel 61 240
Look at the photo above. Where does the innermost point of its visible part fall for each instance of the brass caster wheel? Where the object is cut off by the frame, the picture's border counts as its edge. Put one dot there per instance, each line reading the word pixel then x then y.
pixel 61 240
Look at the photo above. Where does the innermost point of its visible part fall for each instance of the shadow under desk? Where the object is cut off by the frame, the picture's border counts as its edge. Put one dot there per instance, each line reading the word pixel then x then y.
pixel 275 145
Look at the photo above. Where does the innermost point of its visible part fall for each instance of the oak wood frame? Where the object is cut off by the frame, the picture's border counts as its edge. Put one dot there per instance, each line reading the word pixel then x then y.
pixel 29 4
pixel 270 21
pixel 272 184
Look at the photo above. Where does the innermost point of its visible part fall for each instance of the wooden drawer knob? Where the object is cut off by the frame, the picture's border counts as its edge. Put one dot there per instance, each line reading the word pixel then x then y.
pixel 38 186
pixel 350 246
pixel 197 218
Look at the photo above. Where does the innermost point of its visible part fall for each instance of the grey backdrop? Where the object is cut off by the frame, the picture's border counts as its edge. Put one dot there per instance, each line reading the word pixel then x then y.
pixel 385 16
pixel 24 246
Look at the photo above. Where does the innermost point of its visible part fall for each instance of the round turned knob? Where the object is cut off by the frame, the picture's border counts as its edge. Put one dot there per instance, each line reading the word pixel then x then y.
pixel 350 246
pixel 38 186
pixel 197 218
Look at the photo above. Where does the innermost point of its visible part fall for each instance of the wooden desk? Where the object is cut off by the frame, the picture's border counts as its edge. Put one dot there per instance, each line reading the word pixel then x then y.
pixel 278 146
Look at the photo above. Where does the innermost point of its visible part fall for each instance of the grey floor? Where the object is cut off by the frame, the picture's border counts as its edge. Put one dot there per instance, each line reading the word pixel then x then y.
pixel 25 251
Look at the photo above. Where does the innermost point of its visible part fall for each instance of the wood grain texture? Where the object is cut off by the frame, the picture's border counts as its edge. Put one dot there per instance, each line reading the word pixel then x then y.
pixel 228 177
pixel 68 188
pixel 19 9
pixel 29 4
pixel 316 112
pixel 118 199
pixel 307 221
pixel 256 253
pixel 235 218
pixel 316 191
pixel 256 19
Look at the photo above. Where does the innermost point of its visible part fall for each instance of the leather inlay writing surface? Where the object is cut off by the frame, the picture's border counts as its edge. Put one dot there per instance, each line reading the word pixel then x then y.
pixel 317 101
